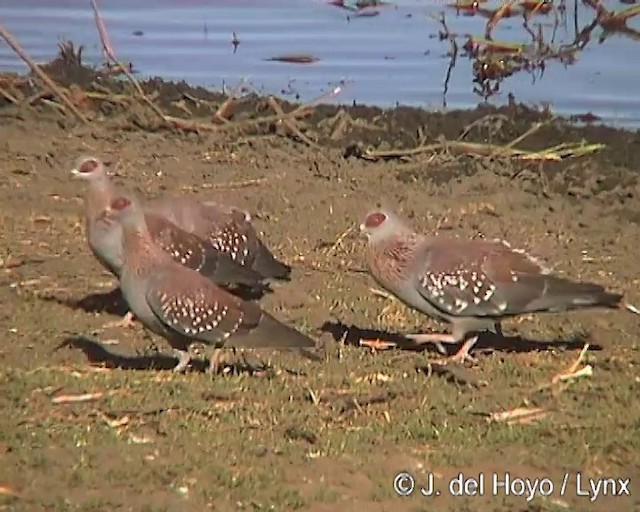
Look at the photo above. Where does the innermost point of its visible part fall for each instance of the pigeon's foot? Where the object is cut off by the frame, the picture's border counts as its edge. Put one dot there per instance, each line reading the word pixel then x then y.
pixel 435 338
pixel 185 358
pixel 462 354
pixel 215 362
pixel 127 321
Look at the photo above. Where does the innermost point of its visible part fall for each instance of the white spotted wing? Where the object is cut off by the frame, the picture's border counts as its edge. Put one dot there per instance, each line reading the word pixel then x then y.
pixel 476 278
pixel 191 306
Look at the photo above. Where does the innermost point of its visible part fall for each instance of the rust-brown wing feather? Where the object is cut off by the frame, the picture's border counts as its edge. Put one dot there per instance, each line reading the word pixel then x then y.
pixel 192 307
pixel 198 309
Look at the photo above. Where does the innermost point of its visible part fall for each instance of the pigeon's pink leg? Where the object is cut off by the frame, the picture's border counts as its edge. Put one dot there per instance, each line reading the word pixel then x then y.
pixel 436 338
pixel 184 359
pixel 432 338
pixel 127 321
pixel 214 361
pixel 462 354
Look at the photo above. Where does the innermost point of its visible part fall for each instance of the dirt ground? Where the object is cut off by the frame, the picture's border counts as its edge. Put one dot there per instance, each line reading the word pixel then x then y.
pixel 305 435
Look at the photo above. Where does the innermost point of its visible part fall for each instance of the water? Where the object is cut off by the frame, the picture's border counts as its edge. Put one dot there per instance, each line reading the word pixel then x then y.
pixel 386 59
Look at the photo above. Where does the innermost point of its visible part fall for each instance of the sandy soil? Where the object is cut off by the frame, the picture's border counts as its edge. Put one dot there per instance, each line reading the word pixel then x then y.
pixel 311 436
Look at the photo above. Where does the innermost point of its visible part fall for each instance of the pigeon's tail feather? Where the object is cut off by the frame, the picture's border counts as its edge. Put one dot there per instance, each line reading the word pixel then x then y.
pixel 269 267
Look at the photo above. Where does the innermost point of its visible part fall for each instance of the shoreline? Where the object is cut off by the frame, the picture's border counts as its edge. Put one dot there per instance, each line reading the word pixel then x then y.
pixel 402 128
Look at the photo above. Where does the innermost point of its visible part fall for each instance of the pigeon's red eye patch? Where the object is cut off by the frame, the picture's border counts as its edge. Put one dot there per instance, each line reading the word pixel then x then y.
pixel 373 220
pixel 88 166
pixel 120 203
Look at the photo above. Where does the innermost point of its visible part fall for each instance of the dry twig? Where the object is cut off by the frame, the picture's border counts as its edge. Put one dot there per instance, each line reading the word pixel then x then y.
pixel 86 397
pixel 289 122
pixel 519 415
pixel 339 240
pixel 572 372
pixel 553 154
pixel 108 50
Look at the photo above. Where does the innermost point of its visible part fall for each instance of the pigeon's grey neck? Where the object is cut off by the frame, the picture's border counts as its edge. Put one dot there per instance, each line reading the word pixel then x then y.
pixel 139 249
pixel 99 179
pixel 99 195
pixel 134 222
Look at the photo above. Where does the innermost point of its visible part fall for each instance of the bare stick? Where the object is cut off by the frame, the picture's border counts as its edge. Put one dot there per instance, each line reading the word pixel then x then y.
pixel 515 141
pixel 323 97
pixel 41 74
pixel 106 46
pixel 8 96
pixel 289 123
pixel 222 110
pixel 497 16
pixel 107 49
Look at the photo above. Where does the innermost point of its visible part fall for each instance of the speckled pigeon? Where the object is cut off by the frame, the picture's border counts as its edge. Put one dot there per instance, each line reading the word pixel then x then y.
pixel 104 235
pixel 182 306
pixel 227 228
pixel 470 284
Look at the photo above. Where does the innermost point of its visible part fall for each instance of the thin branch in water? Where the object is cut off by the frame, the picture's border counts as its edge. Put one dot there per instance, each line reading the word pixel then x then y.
pixel 106 46
pixel 497 16
pixel 452 64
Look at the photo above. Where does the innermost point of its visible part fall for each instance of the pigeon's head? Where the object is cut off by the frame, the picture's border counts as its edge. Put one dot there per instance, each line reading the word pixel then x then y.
pixel 125 209
pixel 378 225
pixel 89 168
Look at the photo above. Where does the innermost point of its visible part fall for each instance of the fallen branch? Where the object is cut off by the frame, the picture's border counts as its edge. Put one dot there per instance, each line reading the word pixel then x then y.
pixel 553 154
pixel 289 123
pixel 11 41
pixel 632 308
pixel 295 114
pixel 8 96
pixel 515 141
pixel 220 114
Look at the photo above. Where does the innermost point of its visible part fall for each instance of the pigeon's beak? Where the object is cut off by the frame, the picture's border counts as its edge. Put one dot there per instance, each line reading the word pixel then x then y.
pixel 104 214
pixel 75 173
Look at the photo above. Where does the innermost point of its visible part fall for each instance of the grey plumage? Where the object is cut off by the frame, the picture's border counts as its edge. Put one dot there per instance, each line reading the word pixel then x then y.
pixel 104 235
pixel 227 228
pixel 470 284
pixel 180 305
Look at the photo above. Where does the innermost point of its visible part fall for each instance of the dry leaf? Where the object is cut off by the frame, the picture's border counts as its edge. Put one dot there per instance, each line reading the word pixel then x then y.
pixel 377 344
pixel 86 397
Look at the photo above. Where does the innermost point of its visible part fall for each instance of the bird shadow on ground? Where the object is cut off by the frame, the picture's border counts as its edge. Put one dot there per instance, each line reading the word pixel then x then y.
pixel 106 302
pixel 113 302
pixel 502 343
pixel 248 293
pixel 96 353
pixel 351 335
